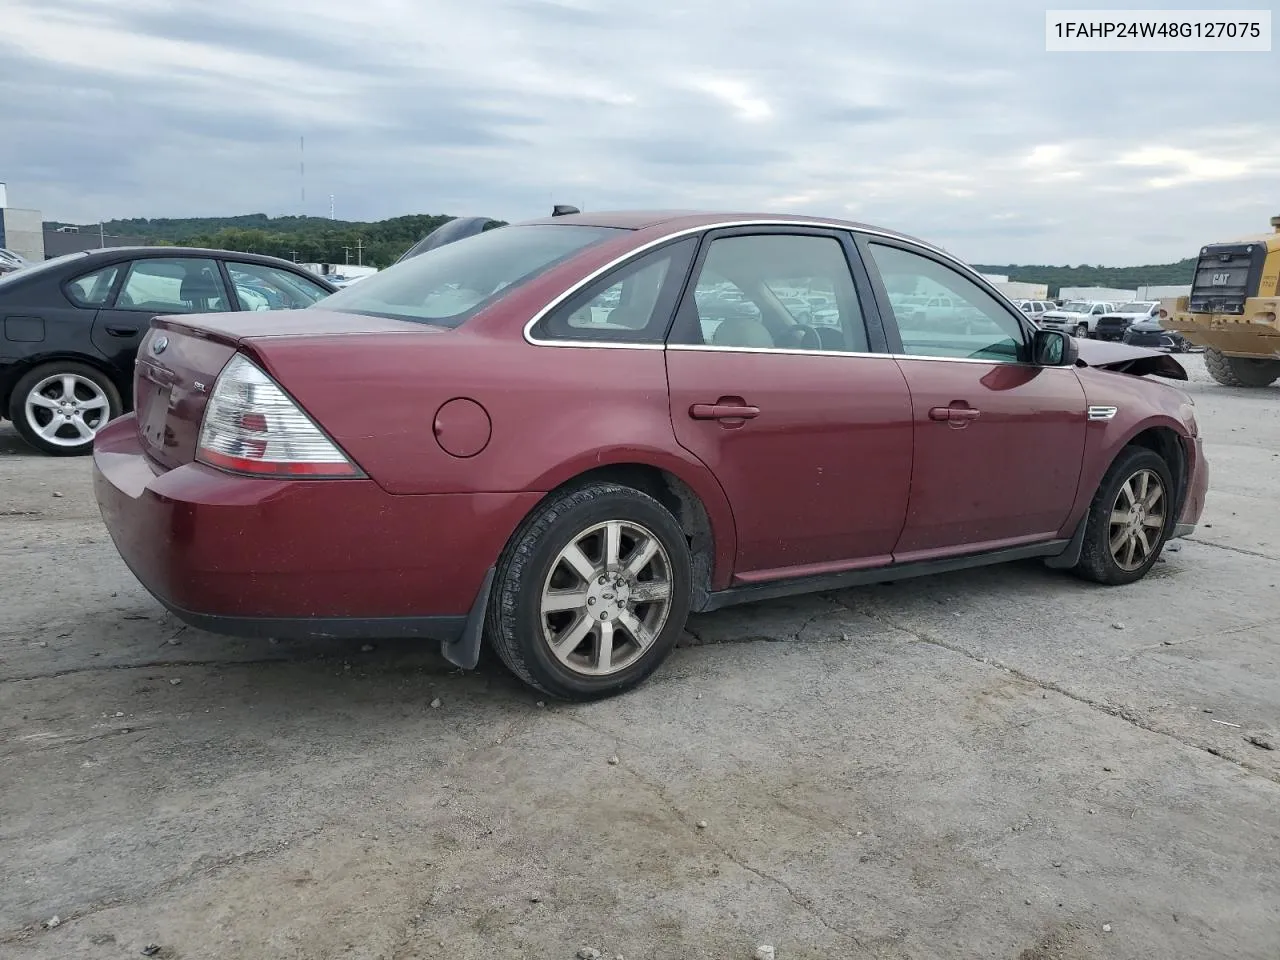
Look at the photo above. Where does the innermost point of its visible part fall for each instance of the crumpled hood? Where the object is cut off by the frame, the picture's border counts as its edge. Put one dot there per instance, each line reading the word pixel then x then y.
pixel 1139 361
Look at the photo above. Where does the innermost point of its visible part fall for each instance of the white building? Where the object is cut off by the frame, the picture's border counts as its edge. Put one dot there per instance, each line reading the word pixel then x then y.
pixel 1024 290
pixel 1111 294
pixel 1166 292
pixel 21 231
pixel 333 271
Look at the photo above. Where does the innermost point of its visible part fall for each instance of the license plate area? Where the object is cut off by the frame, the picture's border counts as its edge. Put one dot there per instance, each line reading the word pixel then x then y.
pixel 155 407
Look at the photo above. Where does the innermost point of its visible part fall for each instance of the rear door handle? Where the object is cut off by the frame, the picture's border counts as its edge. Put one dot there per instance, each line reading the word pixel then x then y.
pixel 122 331
pixel 725 409
pixel 954 414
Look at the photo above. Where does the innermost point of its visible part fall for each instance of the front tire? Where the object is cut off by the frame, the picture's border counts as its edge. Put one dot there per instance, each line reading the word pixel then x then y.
pixel 59 407
pixel 591 593
pixel 1241 371
pixel 1082 331
pixel 1129 519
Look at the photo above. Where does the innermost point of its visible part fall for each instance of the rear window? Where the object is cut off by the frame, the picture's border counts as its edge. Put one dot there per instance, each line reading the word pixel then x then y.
pixel 39 268
pixel 447 285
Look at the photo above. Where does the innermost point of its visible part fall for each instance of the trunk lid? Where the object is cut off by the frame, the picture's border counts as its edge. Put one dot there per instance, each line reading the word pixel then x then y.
pixel 180 358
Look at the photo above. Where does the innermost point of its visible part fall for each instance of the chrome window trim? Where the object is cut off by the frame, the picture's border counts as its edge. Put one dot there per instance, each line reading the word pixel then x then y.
pixel 564 295
pixel 791 351
pixel 788 351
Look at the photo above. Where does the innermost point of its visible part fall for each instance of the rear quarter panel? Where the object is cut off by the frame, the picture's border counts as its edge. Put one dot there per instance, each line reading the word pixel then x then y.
pixel 555 412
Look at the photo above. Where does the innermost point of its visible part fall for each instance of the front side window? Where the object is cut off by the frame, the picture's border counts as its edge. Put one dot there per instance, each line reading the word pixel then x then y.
pixel 259 287
pixel 967 322
pixel 632 304
pixel 173 285
pixel 449 284
pixel 93 289
pixel 787 291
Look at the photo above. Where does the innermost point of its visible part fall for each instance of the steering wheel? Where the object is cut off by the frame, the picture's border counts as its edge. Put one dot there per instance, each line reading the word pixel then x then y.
pixel 803 337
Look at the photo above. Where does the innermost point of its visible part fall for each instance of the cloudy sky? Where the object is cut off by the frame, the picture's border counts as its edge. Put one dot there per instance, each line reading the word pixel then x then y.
pixel 944 119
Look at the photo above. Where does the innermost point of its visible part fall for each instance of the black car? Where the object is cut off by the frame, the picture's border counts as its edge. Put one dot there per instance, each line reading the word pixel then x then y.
pixel 70 327
pixel 1149 333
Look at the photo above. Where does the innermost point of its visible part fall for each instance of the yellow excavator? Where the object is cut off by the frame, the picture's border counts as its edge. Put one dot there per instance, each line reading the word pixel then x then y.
pixel 1233 310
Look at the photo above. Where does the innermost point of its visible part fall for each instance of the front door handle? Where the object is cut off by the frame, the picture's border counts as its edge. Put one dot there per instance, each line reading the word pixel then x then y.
pixel 726 408
pixel 122 331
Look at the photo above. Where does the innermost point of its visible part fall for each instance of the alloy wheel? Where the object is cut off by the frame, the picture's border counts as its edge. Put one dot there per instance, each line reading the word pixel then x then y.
pixel 1137 519
pixel 67 409
pixel 606 598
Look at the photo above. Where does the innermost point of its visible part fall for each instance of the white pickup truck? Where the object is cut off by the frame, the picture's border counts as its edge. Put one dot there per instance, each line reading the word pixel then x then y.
pixel 1076 317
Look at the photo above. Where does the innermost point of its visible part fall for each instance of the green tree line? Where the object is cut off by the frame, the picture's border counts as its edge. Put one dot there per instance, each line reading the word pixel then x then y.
pixel 303 239
pixel 380 243
pixel 1122 278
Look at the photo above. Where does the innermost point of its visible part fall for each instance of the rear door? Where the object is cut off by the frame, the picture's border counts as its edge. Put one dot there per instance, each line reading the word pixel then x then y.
pixel 806 427
pixel 998 441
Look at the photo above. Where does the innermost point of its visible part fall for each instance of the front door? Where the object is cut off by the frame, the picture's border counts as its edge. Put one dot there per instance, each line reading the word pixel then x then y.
pixel 998 441
pixel 806 427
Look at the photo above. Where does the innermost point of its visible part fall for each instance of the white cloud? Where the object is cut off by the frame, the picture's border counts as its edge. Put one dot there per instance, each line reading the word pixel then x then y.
pixel 941 120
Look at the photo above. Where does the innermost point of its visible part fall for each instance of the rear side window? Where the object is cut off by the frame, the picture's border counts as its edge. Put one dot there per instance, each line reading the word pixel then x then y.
pixel 173 285
pixel 632 304
pixel 93 289
pixel 449 284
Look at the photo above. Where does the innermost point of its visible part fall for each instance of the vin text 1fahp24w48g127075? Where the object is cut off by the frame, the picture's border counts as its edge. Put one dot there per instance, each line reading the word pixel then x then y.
pixel 562 436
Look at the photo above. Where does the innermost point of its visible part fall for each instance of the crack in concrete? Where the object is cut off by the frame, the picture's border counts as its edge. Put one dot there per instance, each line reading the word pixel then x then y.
pixel 204 867
pixel 1223 546
pixel 1055 687
pixel 801 901
pixel 154 664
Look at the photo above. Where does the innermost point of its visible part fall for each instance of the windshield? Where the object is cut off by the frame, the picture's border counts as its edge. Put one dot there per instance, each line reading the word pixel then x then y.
pixel 447 285
pixel 1137 306
pixel 1074 306
pixel 23 272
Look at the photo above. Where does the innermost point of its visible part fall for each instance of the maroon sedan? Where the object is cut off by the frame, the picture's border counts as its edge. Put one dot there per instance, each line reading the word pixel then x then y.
pixel 560 437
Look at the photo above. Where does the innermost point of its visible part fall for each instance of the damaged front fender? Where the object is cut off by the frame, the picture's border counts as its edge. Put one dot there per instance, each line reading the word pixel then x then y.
pixel 1139 361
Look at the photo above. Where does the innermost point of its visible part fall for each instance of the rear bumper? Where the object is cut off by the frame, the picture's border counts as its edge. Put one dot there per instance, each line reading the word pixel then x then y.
pixel 298 558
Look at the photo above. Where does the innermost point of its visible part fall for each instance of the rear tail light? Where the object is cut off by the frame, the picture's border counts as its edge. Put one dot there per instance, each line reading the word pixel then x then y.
pixel 252 426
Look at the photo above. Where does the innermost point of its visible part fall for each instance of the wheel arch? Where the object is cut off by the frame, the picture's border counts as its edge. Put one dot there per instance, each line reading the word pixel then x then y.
pixel 1168 443
pixel 693 496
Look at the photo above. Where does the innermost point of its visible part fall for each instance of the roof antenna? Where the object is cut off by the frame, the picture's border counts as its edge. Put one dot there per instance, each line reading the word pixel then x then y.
pixel 563 210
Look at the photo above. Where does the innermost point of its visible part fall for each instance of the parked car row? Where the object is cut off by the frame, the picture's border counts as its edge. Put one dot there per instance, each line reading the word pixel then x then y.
pixel 1035 309
pixel 1136 323
pixel 71 327
pixel 10 261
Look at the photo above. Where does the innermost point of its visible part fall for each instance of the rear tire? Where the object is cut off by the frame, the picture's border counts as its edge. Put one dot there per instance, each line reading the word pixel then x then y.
pixel 1241 371
pixel 563 615
pixel 1128 520
pixel 59 407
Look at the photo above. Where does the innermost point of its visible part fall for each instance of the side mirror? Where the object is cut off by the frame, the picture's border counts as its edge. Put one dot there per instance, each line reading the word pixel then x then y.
pixel 1053 348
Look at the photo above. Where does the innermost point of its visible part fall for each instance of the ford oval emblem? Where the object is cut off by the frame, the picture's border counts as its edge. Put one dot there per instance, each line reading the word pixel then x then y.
pixel 159 344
